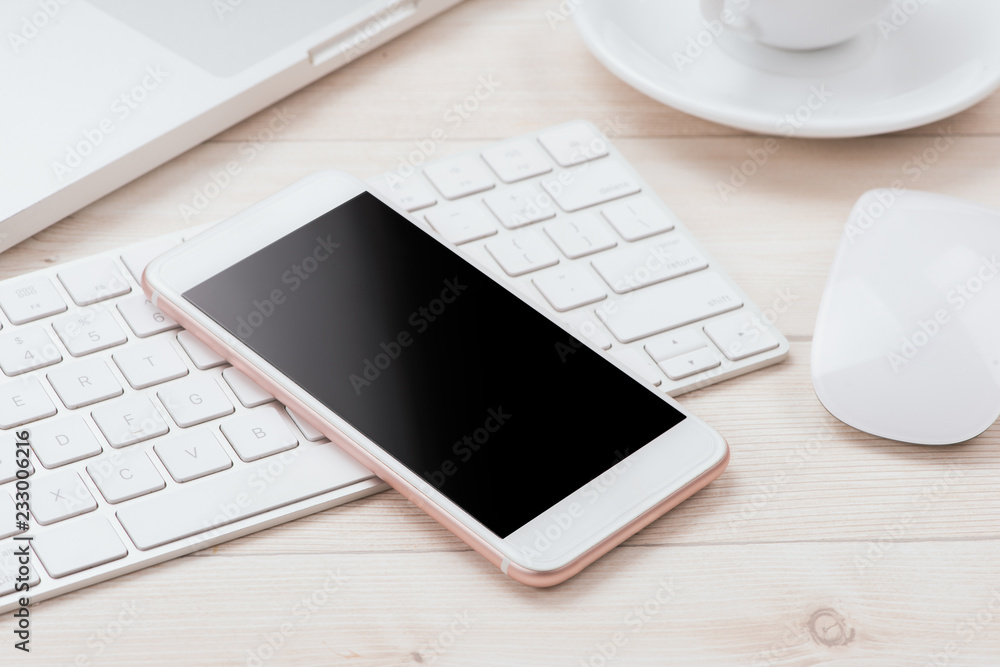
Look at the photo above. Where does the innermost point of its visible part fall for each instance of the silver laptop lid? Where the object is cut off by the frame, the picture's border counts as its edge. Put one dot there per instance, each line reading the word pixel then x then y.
pixel 98 92
pixel 226 37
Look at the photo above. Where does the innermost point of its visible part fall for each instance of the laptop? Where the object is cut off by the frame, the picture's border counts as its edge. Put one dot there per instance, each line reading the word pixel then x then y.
pixel 99 92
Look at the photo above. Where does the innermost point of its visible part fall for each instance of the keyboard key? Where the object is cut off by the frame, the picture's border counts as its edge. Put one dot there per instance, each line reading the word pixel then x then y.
pixel 674 344
pixel 125 475
pixel 138 257
pixel 149 363
pixel 668 305
pixel 192 455
pixel 62 441
pixel 635 266
pixel 574 143
pixel 78 546
pixel 8 524
pixel 194 400
pixel 129 421
pixel 639 364
pixel 57 496
pixel 462 222
pixel 522 253
pixel 741 336
pixel 245 492
pixel 30 299
pixel 516 160
pixel 23 401
pixel 589 185
pixel 89 331
pixel 201 355
pixel 410 194
pixel 257 434
pixel 568 287
pixel 10 567
pixel 459 177
pixel 520 205
pixel 94 281
pixel 249 393
pixel 637 218
pixel 143 317
pixel 580 235
pixel 310 432
pixel 689 364
pixel 84 383
pixel 583 324
pixel 26 349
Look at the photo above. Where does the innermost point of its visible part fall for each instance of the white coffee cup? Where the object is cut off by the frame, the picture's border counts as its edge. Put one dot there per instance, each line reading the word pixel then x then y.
pixel 796 24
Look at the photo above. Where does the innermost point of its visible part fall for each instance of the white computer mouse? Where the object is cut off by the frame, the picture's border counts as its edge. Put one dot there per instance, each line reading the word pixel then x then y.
pixel 907 341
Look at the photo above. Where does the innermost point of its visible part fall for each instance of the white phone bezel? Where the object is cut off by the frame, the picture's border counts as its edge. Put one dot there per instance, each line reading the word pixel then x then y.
pixel 636 485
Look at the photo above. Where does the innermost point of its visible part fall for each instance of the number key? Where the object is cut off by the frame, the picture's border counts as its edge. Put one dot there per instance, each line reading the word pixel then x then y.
pixel 27 349
pixel 143 317
pixel 89 331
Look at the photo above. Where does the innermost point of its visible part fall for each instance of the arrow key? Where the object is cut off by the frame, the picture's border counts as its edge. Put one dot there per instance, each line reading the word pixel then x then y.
pixel 674 343
pixel 688 364
pixel 741 336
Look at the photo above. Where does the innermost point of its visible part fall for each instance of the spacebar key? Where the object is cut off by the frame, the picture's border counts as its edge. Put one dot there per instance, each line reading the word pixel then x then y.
pixel 665 306
pixel 239 494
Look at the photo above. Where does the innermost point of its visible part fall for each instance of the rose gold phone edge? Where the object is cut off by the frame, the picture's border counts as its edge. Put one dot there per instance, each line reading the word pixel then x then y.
pixel 524 575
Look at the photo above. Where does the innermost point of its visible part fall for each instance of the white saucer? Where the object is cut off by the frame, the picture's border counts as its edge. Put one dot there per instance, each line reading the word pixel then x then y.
pixel 905 71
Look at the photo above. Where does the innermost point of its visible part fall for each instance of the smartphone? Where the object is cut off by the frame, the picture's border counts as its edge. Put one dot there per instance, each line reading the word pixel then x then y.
pixel 529 444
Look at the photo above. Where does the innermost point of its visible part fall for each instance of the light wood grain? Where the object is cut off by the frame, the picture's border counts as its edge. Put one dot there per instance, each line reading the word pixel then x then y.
pixel 820 545
pixel 791 604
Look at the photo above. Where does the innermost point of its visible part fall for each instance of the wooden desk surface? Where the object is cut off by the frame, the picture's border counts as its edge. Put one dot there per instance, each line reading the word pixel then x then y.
pixel 819 545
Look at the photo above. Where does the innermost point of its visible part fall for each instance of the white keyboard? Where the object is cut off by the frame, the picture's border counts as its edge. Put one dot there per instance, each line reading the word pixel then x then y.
pixel 561 216
pixel 146 445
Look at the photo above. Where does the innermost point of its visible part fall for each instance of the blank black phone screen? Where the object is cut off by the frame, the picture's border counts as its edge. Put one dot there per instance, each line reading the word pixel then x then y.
pixel 455 377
